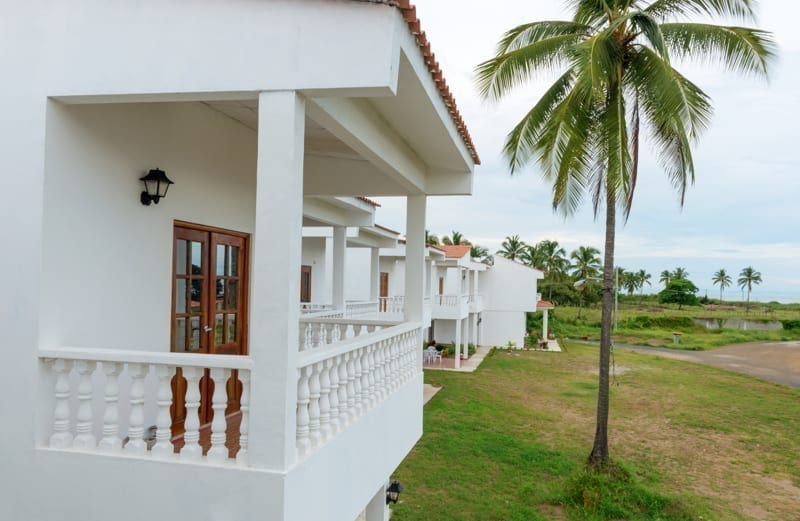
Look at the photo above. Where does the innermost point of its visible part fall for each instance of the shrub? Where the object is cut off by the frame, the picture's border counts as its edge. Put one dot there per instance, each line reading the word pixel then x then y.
pixel 791 324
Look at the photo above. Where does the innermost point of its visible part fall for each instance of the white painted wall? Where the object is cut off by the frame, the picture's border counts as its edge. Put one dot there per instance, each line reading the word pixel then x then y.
pixel 509 286
pixel 356 275
pixel 107 259
pixel 500 327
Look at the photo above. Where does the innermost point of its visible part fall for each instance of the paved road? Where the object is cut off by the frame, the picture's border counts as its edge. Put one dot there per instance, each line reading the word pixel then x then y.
pixel 777 362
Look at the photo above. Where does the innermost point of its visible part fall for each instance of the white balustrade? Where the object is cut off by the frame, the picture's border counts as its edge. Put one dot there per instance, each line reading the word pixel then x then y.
pixel 360 308
pixel 447 300
pixel 392 305
pixel 342 382
pixel 320 332
pixel 79 375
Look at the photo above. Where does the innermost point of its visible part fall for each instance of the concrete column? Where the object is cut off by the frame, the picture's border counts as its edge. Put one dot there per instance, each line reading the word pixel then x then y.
pixel 339 245
pixel 275 280
pixel 476 289
pixel 458 344
pixel 544 323
pixel 475 329
pixel 465 335
pixel 415 256
pixel 374 273
pixel 377 510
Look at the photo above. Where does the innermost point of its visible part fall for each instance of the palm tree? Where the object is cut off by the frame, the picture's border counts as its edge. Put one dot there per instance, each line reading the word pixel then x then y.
pixel 665 277
pixel 531 256
pixel 747 278
pixel 479 252
pixel 431 239
pixel 680 274
pixel 554 263
pixel 455 239
pixel 584 131
pixel 512 247
pixel 628 281
pixel 586 267
pixel 724 280
pixel 642 278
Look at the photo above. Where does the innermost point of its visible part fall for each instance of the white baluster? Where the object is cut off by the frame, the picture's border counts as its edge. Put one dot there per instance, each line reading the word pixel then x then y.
pixel 324 399
pixel 84 439
pixel 367 384
pixel 136 443
pixel 61 437
pixel 357 329
pixel 344 404
pixel 333 375
pixel 111 442
pixel 163 447
pixel 349 332
pixel 357 373
pixel 244 425
pixel 308 338
pixel 313 406
pixel 303 441
pixel 218 452
pixel 379 371
pixel 352 411
pixel 192 451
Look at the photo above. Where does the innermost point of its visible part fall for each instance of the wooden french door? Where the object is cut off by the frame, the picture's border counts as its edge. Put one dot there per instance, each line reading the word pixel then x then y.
pixel 384 291
pixel 209 308
pixel 305 283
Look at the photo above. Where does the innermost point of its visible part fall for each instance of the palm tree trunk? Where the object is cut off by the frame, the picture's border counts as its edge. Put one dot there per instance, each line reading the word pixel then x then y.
pixel 599 455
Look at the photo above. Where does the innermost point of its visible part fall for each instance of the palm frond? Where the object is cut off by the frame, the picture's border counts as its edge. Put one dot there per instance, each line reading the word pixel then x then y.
pixel 497 76
pixel 527 34
pixel 671 9
pixel 589 12
pixel 651 31
pixel 664 93
pixel 521 142
pixel 741 49
pixel 599 56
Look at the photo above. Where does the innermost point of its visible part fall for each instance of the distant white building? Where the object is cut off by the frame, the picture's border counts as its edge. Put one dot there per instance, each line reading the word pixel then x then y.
pixel 156 358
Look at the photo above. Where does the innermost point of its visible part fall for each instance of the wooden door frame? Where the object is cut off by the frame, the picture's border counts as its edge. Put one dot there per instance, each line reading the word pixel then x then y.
pixel 244 291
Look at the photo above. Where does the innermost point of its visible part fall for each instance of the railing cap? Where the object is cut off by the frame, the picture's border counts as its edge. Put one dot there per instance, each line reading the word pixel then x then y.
pixel 148 357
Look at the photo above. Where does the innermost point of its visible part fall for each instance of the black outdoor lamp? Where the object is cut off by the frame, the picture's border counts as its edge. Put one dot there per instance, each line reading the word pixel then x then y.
pixel 393 492
pixel 156 184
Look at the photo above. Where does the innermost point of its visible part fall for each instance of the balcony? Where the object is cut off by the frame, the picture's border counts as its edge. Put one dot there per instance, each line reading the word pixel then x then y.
pixel 450 307
pixel 101 408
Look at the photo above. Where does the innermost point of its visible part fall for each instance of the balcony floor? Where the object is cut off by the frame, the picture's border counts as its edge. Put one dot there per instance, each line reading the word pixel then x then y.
pixel 467 366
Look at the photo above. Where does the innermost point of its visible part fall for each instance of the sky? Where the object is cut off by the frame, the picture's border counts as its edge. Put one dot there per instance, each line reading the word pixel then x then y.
pixel 743 210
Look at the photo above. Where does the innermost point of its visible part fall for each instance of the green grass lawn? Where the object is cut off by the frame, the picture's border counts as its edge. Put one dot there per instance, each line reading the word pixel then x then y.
pixel 509 442
pixel 654 325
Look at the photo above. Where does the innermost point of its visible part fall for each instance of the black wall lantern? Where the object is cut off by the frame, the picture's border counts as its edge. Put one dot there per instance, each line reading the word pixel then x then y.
pixel 156 184
pixel 393 492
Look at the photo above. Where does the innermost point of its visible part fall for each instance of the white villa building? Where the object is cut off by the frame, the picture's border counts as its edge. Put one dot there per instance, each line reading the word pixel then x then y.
pixel 156 366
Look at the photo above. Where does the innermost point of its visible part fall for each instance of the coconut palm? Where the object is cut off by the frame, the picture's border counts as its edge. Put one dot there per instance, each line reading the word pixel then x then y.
pixel 665 277
pixel 512 247
pixel 585 262
pixel 479 252
pixel 747 278
pixel 628 281
pixel 431 239
pixel 680 274
pixel 455 239
pixel 642 278
pixel 531 256
pixel 554 262
pixel 724 280
pixel 617 76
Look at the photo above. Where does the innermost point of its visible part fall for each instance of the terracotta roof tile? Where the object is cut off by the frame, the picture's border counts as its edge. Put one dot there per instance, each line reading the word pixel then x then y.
pixel 545 304
pixel 384 228
pixel 369 201
pixel 410 16
pixel 455 252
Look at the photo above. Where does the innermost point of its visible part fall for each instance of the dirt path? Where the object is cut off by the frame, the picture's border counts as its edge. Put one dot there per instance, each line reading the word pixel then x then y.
pixel 777 362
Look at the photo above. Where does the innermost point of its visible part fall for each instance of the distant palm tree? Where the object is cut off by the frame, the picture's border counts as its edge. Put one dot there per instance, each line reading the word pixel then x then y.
pixel 747 278
pixel 431 239
pixel 512 247
pixel 628 281
pixel 585 263
pixel 586 267
pixel 455 239
pixel 554 262
pixel 642 278
pixel 531 256
pixel 665 277
pixel 680 274
pixel 723 279
pixel 479 252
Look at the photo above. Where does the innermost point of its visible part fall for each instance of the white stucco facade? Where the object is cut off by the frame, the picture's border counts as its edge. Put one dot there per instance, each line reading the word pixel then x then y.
pixel 262 113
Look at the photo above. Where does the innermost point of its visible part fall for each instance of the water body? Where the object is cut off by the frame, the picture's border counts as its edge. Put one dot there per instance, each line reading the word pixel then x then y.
pixel 738 323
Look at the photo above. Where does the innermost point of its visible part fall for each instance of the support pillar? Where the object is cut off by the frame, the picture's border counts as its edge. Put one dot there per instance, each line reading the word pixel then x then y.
pixel 374 273
pixel 275 281
pixel 465 336
pixel 544 324
pixel 415 257
pixel 475 330
pixel 339 245
pixel 458 344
